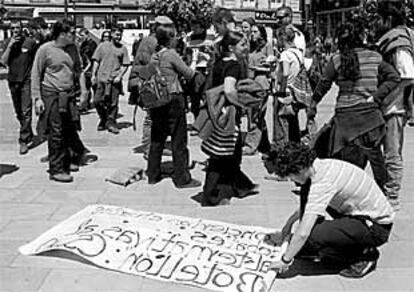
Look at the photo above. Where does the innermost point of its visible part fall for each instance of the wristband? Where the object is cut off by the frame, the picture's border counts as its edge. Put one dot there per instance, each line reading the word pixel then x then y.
pixel 285 261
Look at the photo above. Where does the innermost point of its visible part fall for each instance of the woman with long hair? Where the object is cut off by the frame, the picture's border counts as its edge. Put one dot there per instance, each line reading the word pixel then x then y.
pixel 364 80
pixel 224 178
pixel 170 120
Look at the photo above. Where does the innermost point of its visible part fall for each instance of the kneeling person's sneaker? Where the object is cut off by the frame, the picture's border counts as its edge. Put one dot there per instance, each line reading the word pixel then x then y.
pixel 193 183
pixel 113 129
pixel 23 148
pixel 359 269
pixel 61 177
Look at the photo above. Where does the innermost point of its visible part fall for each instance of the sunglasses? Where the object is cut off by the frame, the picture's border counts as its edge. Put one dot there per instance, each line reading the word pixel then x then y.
pixel 281 16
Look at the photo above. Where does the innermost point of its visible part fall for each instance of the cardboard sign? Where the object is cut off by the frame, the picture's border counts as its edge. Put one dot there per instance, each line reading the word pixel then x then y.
pixel 209 254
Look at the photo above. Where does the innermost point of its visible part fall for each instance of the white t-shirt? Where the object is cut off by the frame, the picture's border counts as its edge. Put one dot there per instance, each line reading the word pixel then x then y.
pixel 291 56
pixel 347 189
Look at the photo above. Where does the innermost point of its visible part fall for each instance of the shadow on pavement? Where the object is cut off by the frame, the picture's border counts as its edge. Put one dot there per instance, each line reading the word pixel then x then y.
pixel 37 141
pixel 7 169
pixel 63 254
pixel 124 125
pixel 302 267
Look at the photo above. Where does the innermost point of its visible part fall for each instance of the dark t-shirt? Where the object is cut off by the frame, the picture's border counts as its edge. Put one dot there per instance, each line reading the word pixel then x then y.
pixel 223 69
pixel 21 60
pixel 87 48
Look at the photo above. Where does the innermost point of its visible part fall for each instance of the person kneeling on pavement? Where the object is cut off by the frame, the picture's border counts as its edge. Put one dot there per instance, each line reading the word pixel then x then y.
pixel 361 217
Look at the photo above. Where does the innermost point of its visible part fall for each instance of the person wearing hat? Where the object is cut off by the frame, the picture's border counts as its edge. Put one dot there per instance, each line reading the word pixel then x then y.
pixel 143 55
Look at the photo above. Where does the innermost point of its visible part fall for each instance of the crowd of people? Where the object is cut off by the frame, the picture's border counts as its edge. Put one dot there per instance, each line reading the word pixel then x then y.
pixel 226 81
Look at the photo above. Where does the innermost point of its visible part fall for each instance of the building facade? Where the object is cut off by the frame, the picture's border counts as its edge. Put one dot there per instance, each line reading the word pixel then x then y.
pixel 264 11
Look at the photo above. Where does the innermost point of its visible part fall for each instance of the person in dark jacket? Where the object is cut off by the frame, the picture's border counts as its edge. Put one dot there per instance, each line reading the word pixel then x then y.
pixel 18 56
pixel 364 80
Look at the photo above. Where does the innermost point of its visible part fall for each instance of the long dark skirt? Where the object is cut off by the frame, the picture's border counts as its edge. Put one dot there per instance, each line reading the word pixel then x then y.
pixel 224 178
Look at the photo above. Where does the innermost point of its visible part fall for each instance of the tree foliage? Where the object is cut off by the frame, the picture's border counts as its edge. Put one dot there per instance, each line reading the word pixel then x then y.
pixel 182 12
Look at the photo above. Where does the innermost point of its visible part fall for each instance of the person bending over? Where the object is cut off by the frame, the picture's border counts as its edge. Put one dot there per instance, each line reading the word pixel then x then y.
pixel 360 216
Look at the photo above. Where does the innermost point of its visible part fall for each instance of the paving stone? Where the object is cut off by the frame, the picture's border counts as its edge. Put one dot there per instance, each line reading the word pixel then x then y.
pixel 80 198
pixel 18 195
pixel 22 279
pixel 309 283
pixel 396 279
pixel 25 230
pixel 97 280
pixel 26 211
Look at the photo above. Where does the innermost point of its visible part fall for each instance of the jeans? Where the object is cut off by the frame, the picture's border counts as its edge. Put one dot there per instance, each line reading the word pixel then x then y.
pixel 22 102
pixel 106 101
pixel 393 144
pixel 169 120
pixel 62 139
pixel 146 132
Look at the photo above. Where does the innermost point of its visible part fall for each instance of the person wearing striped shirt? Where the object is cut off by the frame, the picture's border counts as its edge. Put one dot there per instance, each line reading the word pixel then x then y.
pixel 364 80
pixel 343 216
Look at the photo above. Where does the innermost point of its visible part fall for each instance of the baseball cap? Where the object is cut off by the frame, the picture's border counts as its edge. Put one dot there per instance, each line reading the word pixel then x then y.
pixel 165 20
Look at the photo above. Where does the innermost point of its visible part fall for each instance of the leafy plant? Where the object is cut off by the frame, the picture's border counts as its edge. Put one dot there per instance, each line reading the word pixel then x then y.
pixel 182 12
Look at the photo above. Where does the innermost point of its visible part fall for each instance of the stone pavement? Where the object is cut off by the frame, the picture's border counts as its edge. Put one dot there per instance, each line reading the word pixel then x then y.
pixel 31 204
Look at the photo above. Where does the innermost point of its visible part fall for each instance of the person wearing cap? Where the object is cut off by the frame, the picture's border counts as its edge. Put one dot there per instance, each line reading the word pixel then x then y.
pixel 142 58
pixel 284 17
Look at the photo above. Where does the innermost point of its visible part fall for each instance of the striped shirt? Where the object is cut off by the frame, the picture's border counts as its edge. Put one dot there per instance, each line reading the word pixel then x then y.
pixel 377 80
pixel 347 189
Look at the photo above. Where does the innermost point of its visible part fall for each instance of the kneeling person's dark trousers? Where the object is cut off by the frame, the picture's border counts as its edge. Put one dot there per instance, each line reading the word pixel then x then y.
pixel 344 239
pixel 169 120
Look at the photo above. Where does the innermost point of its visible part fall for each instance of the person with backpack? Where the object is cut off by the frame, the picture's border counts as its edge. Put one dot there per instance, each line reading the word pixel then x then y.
pixel 146 48
pixel 364 80
pixel 291 62
pixel 169 119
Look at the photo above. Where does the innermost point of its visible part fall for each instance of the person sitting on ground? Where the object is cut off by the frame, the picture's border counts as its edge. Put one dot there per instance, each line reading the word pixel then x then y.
pixel 361 220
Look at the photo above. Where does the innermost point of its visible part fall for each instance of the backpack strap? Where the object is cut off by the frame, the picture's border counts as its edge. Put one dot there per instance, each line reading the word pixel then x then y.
pixel 297 57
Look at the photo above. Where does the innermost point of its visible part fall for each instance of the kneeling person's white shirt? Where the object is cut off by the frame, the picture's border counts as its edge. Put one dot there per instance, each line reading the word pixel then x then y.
pixel 347 189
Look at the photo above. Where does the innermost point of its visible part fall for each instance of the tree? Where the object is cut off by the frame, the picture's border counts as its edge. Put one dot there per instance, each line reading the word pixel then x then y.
pixel 182 12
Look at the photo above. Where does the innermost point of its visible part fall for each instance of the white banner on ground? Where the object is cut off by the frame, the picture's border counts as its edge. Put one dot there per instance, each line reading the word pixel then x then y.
pixel 209 254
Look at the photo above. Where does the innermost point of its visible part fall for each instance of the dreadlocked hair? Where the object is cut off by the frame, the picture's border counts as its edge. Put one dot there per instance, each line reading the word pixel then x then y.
pixel 350 36
pixel 290 158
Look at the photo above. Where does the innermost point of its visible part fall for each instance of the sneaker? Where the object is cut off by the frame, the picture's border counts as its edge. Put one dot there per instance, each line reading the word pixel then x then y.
pixel 193 183
pixel 101 126
pixel 113 129
pixel 44 159
pixel 23 149
pixel 359 269
pixel 61 177
pixel 73 167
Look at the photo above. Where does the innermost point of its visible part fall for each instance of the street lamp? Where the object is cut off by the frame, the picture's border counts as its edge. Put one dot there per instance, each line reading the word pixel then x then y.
pixel 65 9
